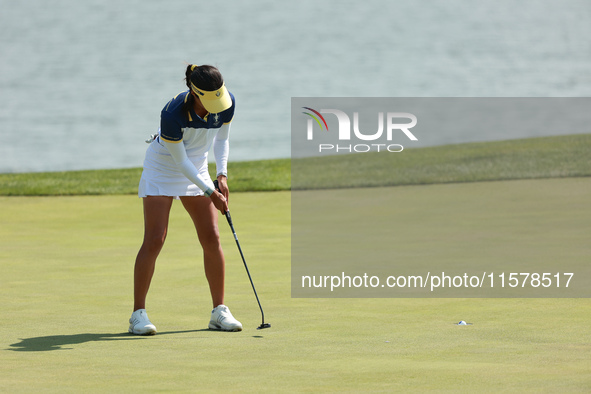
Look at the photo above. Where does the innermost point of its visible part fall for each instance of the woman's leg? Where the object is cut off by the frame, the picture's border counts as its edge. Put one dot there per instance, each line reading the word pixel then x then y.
pixel 156 213
pixel 205 217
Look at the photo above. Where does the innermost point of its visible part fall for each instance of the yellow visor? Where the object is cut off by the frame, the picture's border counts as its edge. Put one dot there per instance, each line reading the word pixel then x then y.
pixel 214 101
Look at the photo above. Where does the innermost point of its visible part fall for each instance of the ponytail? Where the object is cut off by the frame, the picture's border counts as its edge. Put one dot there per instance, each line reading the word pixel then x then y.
pixel 190 99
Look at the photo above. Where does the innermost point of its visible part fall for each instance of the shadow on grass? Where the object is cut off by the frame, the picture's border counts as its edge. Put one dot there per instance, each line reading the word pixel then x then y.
pixel 55 342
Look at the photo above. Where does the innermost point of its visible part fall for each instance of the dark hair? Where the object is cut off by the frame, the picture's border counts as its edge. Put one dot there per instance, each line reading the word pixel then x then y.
pixel 204 77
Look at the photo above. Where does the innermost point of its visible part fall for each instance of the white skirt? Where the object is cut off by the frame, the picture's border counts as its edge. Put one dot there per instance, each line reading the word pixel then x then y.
pixel 161 176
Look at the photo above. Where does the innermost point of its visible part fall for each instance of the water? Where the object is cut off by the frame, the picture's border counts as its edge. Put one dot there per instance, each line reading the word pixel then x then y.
pixel 82 83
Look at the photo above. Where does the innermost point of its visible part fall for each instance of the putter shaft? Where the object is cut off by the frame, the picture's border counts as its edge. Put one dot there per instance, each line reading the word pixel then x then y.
pixel 229 219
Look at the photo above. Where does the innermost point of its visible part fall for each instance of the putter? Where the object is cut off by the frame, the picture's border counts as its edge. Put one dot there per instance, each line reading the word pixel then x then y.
pixel 229 219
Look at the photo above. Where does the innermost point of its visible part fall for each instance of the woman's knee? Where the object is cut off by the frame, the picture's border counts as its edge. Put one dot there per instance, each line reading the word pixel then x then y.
pixel 210 239
pixel 154 241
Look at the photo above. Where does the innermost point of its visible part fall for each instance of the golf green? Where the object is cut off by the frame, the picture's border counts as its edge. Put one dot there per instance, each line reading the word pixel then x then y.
pixel 66 294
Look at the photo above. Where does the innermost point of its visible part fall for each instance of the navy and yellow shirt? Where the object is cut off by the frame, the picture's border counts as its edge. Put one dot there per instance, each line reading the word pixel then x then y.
pixel 174 121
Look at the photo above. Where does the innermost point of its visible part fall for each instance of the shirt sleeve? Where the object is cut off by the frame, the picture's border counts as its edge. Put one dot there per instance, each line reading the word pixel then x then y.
pixel 221 149
pixel 228 114
pixel 170 128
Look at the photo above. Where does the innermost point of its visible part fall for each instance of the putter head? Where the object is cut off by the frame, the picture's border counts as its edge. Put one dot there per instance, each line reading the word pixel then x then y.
pixel 263 326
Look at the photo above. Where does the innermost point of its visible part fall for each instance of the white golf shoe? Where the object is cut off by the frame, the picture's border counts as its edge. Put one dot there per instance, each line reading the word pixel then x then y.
pixel 139 323
pixel 222 319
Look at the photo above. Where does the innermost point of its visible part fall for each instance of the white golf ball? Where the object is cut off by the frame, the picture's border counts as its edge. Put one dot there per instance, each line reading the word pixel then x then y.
pixel 462 323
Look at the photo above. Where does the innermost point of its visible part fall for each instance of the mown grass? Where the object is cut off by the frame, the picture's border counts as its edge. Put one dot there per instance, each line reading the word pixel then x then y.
pixel 534 158
pixel 67 286
pixel 547 157
pixel 263 175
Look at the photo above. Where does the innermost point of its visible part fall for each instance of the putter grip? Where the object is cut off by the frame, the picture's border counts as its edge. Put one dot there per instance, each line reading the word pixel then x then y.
pixel 228 217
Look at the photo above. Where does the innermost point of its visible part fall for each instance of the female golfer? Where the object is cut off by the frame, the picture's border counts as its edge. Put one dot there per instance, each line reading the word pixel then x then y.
pixel 176 166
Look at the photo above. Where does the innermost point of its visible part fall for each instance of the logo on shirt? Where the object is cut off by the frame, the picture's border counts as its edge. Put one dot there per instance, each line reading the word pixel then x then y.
pixel 216 119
